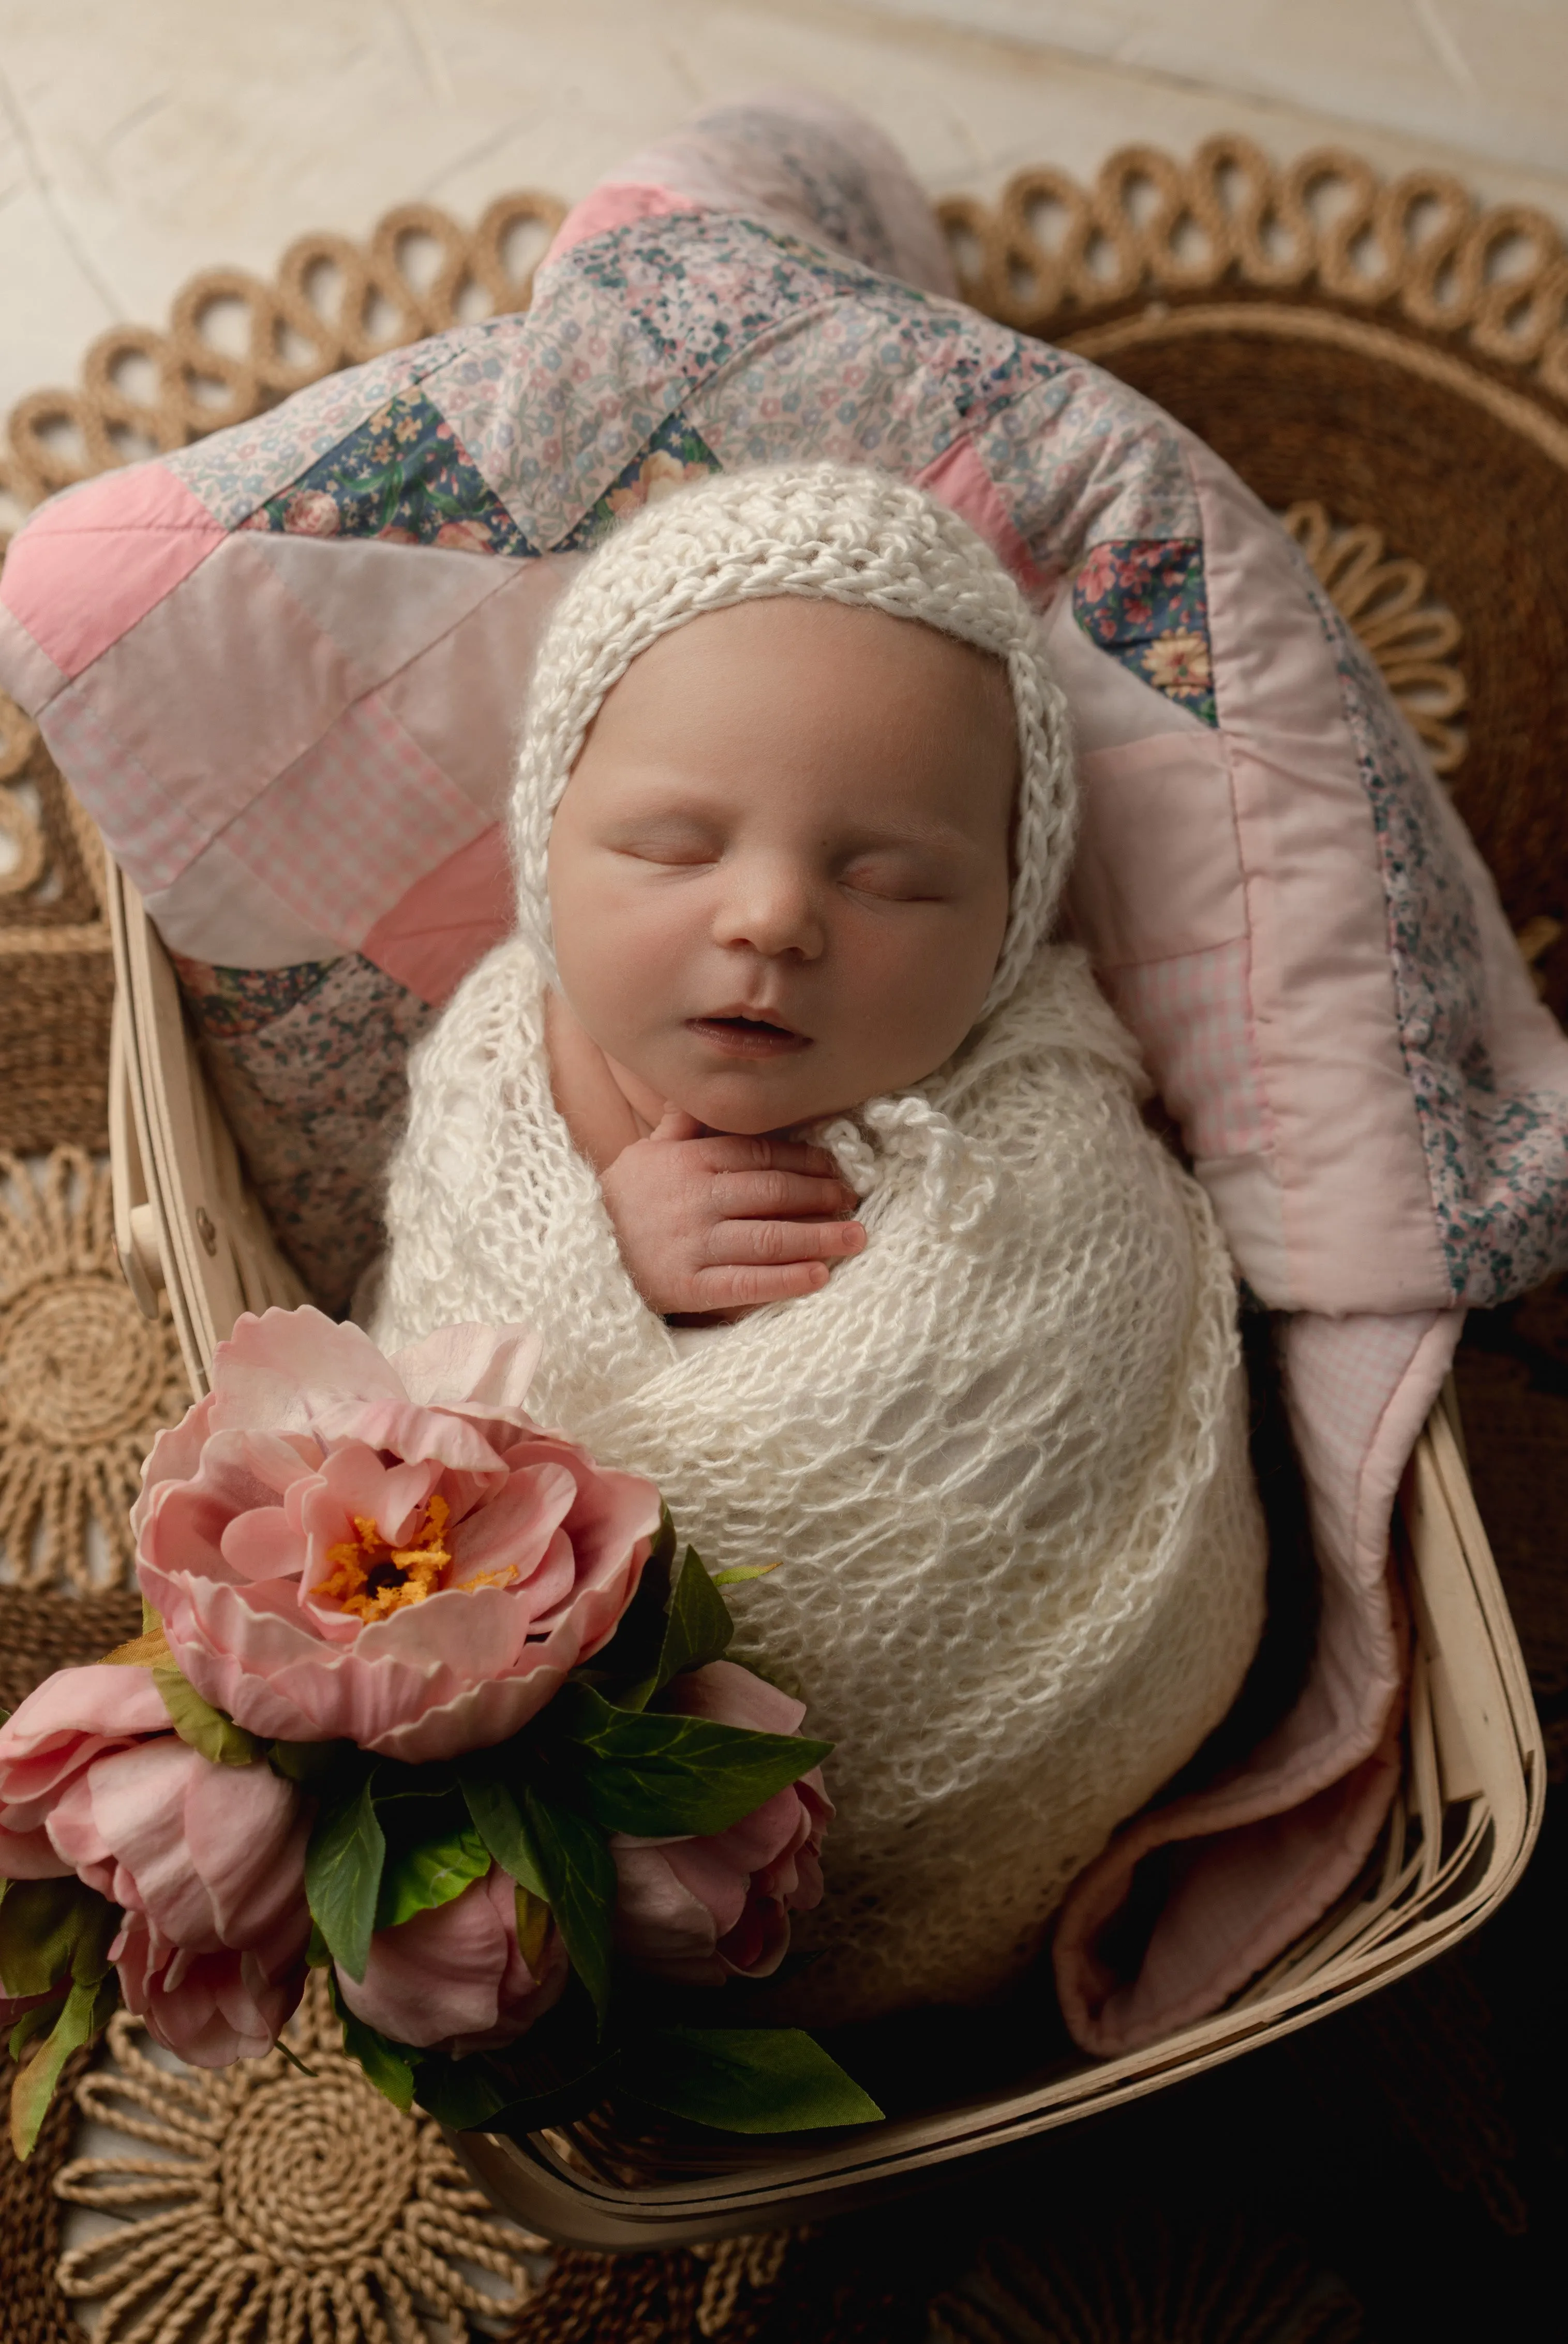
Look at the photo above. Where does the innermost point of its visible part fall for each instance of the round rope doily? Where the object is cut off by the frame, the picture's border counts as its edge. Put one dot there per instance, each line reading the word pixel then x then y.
pixel 270 2207
pixel 85 1381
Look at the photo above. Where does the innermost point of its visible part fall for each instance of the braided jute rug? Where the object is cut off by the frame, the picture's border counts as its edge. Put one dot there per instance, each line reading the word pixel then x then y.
pixel 1388 365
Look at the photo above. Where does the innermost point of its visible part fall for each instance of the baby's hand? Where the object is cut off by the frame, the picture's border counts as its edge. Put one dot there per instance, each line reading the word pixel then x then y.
pixel 709 1223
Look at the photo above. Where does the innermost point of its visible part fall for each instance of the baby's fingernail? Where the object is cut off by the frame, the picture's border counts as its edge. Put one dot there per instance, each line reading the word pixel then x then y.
pixel 854 1236
pixel 818 1274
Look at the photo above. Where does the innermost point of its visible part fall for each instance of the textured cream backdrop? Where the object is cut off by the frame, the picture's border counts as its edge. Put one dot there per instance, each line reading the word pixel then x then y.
pixel 143 139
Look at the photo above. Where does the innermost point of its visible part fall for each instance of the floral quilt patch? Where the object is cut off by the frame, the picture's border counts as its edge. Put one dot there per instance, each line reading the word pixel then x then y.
pixel 1144 602
pixel 226 1002
pixel 675 453
pixel 403 476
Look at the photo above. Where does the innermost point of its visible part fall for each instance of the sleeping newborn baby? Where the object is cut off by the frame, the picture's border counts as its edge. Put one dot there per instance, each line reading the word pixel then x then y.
pixel 820 1170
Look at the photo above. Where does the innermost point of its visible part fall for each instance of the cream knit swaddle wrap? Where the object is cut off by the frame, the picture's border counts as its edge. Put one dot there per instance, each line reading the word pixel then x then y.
pixel 1001 1457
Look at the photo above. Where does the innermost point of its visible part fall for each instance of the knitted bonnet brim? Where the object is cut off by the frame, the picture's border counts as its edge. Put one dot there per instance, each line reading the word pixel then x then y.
pixel 831 532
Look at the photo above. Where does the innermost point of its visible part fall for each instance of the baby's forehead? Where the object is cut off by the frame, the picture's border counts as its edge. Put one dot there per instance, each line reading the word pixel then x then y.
pixel 850 718
pixel 794 655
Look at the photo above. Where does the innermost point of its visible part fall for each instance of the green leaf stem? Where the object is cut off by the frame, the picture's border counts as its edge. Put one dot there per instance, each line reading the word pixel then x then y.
pixel 86 2009
pixel 498 1820
pixel 578 1872
pixel 752 2079
pixel 204 1728
pixel 343 1867
pixel 654 1773
pixel 432 1872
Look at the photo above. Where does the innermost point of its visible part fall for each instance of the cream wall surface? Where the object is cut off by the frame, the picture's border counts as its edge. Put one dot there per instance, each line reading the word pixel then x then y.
pixel 141 142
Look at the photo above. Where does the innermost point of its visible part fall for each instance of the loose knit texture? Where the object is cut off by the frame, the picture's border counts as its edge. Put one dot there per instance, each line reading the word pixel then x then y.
pixel 1000 1459
pixel 824 532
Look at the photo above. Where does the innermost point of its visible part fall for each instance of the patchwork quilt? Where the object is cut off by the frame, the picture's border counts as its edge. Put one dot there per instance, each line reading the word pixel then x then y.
pixel 283 669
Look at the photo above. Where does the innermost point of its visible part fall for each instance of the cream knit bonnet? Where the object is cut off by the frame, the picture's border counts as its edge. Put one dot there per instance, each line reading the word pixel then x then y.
pixel 836 533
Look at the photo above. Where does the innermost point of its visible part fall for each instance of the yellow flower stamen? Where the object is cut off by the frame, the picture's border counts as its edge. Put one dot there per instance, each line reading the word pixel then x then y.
pixel 371 1578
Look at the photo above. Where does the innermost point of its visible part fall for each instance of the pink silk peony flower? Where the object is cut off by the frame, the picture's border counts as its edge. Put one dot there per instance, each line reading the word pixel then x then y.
pixel 206 1861
pixel 72 1718
pixel 389 1551
pixel 454 1978
pixel 698 1911
pixel 209 2009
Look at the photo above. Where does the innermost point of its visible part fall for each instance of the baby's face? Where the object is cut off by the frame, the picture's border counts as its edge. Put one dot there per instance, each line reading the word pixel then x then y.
pixel 779 876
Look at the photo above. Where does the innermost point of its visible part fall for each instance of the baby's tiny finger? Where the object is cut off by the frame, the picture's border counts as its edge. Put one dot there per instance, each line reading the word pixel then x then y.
pixel 743 1286
pixel 781 1241
pixel 779 1196
pixel 727 1153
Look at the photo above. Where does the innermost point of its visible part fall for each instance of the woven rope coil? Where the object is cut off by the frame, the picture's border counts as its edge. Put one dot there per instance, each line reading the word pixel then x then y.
pixel 333 303
pixel 85 1381
pixel 277 2207
pixel 1050 253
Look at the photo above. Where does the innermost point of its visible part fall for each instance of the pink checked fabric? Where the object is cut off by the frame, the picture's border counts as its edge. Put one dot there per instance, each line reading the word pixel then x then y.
pixel 282 668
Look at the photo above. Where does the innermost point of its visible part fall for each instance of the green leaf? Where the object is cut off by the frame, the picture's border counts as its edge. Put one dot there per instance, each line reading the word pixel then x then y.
pixel 700 1626
pixel 462 2093
pixel 207 1729
pixel 498 1820
pixel 579 1884
pixel 54 1929
pixel 656 1775
pixel 417 1879
pixel 343 1867
pixel 740 1572
pixel 36 2021
pixel 86 2008
pixel 388 2066
pixel 745 2079
pixel 556 2071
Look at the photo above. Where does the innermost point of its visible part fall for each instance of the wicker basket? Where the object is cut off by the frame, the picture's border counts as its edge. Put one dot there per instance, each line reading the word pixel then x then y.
pixel 1462 1827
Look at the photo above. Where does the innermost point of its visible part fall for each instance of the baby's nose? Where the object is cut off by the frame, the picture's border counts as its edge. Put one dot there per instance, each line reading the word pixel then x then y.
pixel 772 906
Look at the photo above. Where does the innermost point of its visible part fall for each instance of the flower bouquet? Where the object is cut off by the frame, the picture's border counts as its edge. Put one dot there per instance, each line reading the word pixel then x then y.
pixel 425 1698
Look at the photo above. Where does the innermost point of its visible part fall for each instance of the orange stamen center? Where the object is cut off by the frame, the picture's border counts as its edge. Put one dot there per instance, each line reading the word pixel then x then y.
pixel 371 1578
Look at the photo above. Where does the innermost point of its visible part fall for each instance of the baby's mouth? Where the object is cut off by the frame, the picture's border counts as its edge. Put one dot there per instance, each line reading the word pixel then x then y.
pixel 737 1035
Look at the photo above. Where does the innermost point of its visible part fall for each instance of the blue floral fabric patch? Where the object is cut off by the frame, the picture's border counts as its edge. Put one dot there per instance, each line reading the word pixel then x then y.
pixel 1144 602
pixel 676 452
pixel 402 476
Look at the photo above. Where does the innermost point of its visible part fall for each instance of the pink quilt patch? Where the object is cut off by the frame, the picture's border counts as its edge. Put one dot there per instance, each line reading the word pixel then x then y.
pixel 74 607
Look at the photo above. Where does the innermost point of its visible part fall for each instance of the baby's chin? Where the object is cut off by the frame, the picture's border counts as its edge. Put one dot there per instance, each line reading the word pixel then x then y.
pixel 752 1108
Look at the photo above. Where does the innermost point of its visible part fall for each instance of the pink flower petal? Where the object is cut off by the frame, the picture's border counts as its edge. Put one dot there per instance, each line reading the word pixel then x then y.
pixel 486 1369
pixel 268 1372
pixel 658 1918
pixel 705 1871
pixel 731 1695
pixel 516 1531
pixel 437 1975
pixel 760 1940
pixel 263 1544
pixel 30 1855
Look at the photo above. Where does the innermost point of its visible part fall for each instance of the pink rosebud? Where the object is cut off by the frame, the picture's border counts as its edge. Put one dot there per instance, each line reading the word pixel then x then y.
pixel 72 1718
pixel 208 1863
pixel 454 1979
pixel 209 2009
pixel 388 1551
pixel 698 1911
